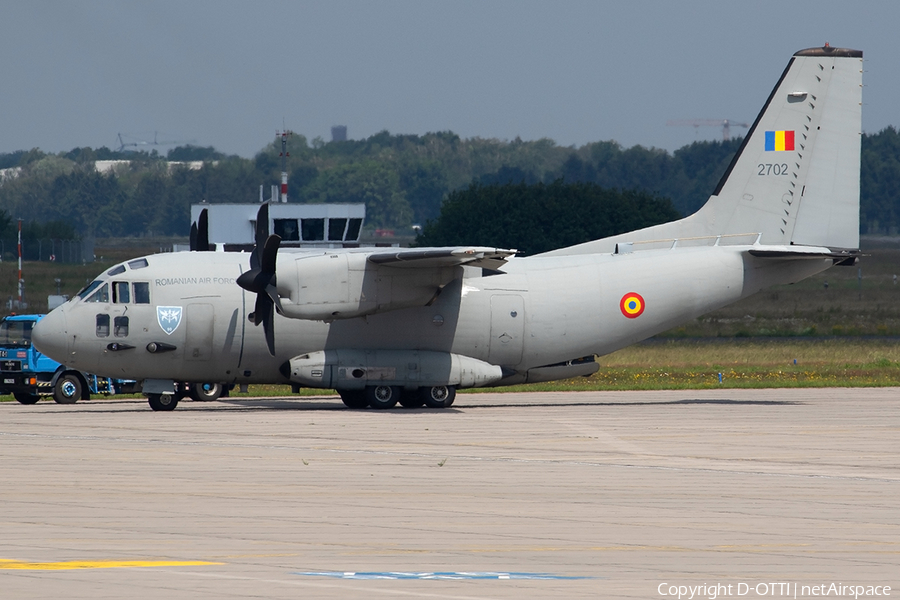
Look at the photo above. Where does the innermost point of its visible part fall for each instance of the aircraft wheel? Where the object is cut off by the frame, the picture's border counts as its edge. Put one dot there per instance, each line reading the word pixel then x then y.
pixel 25 398
pixel 411 399
pixel 205 392
pixel 439 396
pixel 162 401
pixel 354 398
pixel 382 396
pixel 67 389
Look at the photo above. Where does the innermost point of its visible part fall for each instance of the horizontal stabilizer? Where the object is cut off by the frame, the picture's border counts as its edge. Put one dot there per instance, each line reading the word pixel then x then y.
pixel 486 258
pixel 801 252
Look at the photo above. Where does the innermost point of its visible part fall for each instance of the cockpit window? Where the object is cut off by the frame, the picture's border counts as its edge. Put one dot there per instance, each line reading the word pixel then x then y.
pixel 121 293
pixel 89 288
pixel 120 326
pixel 15 333
pixel 140 263
pixel 141 292
pixel 116 270
pixel 100 295
pixel 102 325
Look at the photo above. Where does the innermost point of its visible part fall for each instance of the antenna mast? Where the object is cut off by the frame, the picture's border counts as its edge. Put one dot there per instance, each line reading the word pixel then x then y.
pixel 21 281
pixel 284 154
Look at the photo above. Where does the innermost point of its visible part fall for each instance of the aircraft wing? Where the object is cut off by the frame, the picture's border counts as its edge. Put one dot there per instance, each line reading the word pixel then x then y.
pixel 472 256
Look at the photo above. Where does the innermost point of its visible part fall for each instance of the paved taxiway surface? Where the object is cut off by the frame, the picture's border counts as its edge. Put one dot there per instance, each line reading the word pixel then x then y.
pixel 620 491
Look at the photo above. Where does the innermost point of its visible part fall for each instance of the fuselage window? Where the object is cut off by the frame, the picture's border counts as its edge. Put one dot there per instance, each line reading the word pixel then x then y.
pixel 100 295
pixel 121 294
pixel 139 263
pixel 102 325
pixel 141 292
pixel 120 327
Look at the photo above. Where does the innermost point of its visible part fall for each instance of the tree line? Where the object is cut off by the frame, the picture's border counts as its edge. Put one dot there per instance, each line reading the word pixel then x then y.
pixel 537 217
pixel 402 179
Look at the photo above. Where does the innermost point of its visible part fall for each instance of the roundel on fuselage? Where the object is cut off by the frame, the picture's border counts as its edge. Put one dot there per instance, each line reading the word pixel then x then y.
pixel 632 305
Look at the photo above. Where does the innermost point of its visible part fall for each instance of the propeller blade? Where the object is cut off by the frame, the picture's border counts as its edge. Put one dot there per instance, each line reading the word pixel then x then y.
pixel 264 313
pixel 270 254
pixel 200 233
pixel 257 279
pixel 272 291
pixel 269 330
pixel 262 224
pixel 261 279
pixel 203 231
pixel 262 309
pixel 262 234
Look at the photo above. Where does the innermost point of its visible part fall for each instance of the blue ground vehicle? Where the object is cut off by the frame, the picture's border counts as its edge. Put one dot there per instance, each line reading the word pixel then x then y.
pixel 27 374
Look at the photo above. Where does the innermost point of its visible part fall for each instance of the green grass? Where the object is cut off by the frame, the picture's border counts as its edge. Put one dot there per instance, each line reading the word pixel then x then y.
pixel 696 364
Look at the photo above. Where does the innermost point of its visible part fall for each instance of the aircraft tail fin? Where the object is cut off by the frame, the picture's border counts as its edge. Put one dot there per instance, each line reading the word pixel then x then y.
pixel 795 178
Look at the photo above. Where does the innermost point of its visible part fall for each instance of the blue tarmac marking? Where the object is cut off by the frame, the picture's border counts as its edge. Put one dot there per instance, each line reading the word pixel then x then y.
pixel 446 575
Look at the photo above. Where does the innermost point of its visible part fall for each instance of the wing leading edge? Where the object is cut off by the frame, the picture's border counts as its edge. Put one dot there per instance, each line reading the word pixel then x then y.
pixel 473 256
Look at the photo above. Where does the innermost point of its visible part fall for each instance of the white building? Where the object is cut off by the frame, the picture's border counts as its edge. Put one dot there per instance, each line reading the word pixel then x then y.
pixel 305 225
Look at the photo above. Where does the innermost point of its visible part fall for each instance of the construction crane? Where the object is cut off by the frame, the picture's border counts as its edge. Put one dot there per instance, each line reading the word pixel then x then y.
pixel 123 144
pixel 725 124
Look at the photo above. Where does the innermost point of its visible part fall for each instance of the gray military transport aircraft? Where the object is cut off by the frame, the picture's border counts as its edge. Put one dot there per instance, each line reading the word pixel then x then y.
pixel 414 325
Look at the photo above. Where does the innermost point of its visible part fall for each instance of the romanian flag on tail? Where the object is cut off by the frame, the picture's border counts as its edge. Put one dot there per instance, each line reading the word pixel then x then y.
pixel 779 140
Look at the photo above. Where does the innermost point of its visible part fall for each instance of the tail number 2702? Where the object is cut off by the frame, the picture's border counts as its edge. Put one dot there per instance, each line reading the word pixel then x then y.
pixel 772 169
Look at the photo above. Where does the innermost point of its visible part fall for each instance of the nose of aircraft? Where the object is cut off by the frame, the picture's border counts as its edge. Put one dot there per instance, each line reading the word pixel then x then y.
pixel 49 335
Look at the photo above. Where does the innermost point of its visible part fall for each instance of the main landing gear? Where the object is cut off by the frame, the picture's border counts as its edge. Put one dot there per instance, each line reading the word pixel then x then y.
pixel 205 392
pixel 162 401
pixel 381 397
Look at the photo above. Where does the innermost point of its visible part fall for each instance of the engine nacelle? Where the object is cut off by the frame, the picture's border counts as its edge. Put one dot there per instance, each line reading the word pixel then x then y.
pixel 355 369
pixel 344 285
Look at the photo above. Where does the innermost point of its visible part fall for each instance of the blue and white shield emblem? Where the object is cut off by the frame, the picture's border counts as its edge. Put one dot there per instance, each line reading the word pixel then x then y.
pixel 169 318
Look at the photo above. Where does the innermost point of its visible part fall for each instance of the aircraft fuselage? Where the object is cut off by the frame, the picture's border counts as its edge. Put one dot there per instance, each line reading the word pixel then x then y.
pixel 194 326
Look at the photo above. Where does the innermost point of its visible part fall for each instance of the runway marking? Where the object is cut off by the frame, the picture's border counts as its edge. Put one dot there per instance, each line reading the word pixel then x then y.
pixel 393 592
pixel 444 576
pixel 7 564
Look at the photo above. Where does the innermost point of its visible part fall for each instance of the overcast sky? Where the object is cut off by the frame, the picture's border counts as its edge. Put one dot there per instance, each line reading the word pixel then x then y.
pixel 229 74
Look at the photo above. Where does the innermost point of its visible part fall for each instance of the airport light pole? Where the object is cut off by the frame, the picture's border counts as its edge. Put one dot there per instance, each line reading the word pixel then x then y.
pixel 21 281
